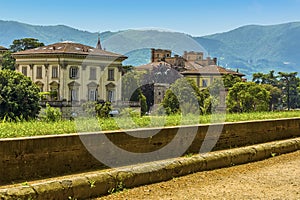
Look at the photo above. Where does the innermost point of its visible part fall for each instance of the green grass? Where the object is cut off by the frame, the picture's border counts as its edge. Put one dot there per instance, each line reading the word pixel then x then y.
pixel 34 128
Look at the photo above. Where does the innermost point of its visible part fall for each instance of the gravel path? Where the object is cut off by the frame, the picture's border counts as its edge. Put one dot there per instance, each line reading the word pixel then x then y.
pixel 274 178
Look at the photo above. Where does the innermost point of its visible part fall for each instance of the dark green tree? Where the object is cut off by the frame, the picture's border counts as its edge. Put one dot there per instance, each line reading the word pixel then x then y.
pixel 144 107
pixel 183 97
pixel 131 86
pixel 8 62
pixel 289 83
pixel 19 96
pixel 247 97
pixel 275 96
pixel 171 103
pixel 24 44
pixel 215 95
pixel 262 78
pixel 229 80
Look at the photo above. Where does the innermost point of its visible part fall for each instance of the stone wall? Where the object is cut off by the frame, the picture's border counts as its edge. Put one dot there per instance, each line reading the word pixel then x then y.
pixel 23 159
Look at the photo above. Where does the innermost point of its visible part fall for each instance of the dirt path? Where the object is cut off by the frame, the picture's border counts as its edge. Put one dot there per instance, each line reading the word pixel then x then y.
pixel 274 178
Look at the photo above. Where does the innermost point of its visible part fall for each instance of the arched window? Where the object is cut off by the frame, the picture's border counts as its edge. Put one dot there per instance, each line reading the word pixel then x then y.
pixel 74 91
pixel 54 90
pixel 110 90
pixel 92 91
pixel 40 85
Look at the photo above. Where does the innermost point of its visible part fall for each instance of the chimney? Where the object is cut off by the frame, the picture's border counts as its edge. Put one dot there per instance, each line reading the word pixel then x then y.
pixel 215 60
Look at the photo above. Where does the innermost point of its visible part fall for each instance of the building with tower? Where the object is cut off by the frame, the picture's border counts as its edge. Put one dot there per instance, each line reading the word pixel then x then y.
pixel 192 65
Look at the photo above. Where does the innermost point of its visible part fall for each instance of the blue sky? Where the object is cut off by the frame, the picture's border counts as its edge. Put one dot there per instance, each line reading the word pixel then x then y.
pixel 195 17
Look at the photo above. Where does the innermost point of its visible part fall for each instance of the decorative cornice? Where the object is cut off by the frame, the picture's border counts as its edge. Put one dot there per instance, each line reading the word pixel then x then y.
pixel 71 55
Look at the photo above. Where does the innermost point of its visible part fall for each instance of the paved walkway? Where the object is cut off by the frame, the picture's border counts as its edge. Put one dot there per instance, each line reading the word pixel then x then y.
pixel 274 178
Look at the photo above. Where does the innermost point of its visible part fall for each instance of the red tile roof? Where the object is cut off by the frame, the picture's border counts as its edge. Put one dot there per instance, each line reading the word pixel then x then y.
pixel 193 68
pixel 212 70
pixel 151 66
pixel 3 48
pixel 69 48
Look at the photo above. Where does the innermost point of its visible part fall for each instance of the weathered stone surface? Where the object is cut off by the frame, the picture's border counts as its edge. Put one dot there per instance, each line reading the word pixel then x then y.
pixel 49 190
pixel 99 183
pixel 24 159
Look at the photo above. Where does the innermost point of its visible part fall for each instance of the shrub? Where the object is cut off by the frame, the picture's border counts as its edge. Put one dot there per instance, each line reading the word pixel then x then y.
pixel 144 107
pixel 89 108
pixel 52 114
pixel 129 112
pixel 103 109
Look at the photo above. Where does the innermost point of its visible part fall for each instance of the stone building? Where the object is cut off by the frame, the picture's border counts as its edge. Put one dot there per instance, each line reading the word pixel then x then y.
pixel 192 65
pixel 2 51
pixel 73 72
pixel 164 69
pixel 161 55
pixel 198 58
pixel 205 76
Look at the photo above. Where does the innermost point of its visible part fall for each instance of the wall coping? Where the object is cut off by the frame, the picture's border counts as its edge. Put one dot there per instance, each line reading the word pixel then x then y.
pixel 141 129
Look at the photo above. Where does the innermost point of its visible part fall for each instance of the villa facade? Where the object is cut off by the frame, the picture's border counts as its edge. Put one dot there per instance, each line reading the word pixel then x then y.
pixel 73 72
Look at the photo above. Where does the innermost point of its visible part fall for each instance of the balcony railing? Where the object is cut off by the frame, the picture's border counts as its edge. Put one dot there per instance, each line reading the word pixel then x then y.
pixel 78 103
pixel 60 103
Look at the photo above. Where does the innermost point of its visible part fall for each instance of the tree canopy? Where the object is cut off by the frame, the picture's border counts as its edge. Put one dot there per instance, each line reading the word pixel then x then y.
pixel 19 96
pixel 8 62
pixel 24 44
pixel 275 96
pixel 131 86
pixel 184 97
pixel 229 80
pixel 248 97
pixel 289 83
pixel 269 78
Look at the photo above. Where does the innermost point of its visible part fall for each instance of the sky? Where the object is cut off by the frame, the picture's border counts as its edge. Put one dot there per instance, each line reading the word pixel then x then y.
pixel 194 17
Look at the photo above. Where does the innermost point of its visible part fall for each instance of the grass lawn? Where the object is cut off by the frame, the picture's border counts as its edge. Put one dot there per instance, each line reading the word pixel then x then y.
pixel 32 128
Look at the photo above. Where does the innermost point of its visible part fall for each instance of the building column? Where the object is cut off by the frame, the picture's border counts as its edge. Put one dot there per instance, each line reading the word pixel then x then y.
pixel 31 66
pixel 64 89
pixel 47 77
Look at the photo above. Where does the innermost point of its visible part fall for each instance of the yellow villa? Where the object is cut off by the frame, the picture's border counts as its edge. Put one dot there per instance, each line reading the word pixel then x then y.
pixel 73 72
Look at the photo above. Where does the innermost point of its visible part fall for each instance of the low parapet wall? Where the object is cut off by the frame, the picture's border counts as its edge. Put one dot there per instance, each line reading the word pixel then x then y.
pixel 97 183
pixel 23 159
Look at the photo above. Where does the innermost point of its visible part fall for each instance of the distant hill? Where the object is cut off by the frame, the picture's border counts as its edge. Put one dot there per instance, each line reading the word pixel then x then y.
pixel 250 48
pixel 255 48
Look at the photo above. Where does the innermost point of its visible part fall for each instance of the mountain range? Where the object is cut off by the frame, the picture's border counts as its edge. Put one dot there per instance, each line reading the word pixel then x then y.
pixel 249 49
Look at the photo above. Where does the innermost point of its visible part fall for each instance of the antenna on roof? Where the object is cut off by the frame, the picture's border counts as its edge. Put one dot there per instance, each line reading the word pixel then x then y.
pixel 99 43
